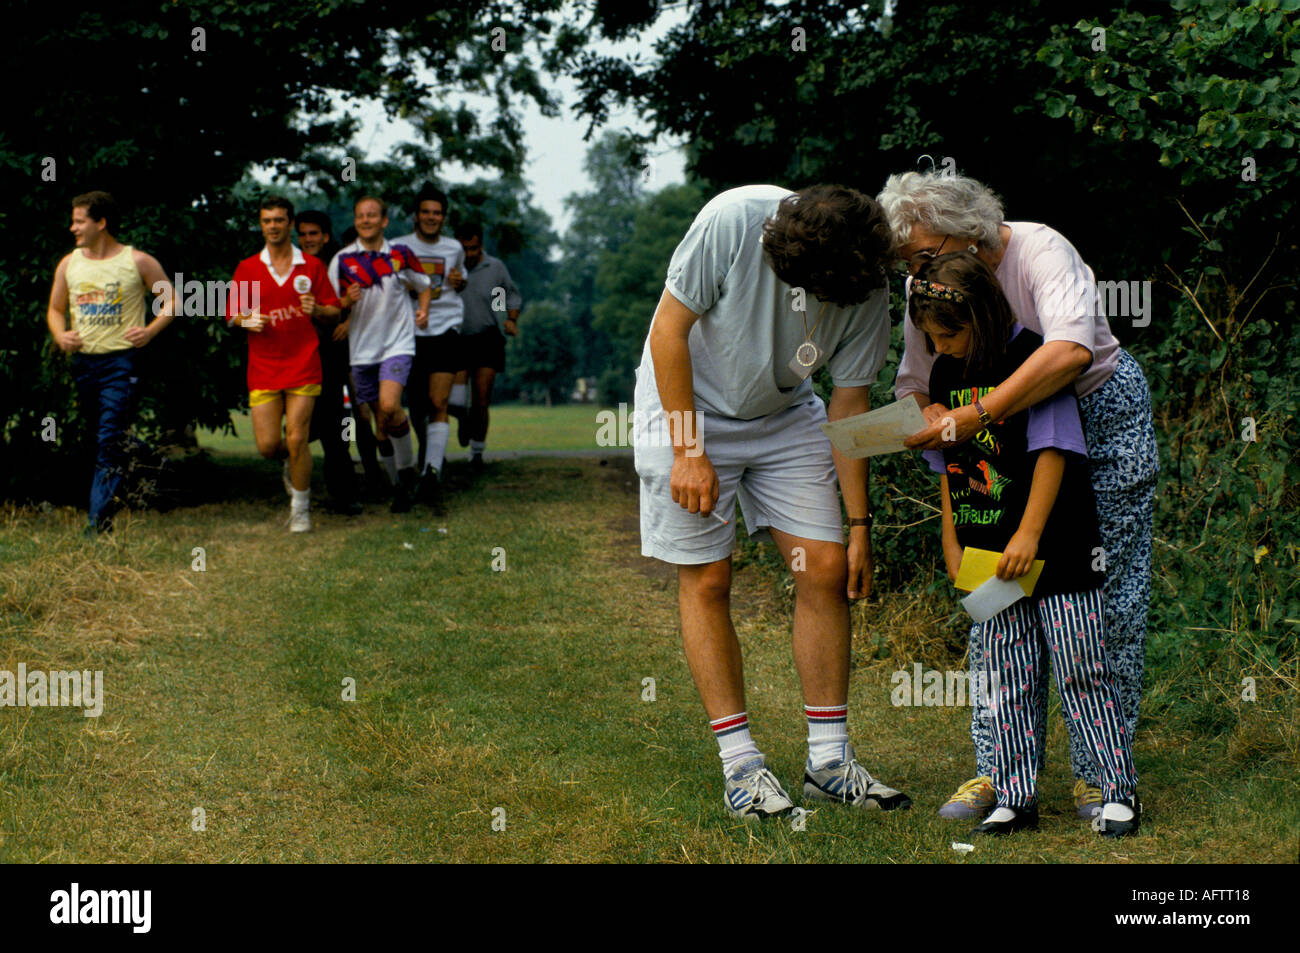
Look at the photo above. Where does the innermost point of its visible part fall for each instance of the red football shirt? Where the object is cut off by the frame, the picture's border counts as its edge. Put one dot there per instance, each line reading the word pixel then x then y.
pixel 285 354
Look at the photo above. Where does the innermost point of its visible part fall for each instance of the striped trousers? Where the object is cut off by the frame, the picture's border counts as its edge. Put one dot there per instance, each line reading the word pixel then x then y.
pixel 1066 632
pixel 1123 462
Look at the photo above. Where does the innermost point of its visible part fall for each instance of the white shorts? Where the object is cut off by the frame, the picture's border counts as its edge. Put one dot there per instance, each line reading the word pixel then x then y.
pixel 779 468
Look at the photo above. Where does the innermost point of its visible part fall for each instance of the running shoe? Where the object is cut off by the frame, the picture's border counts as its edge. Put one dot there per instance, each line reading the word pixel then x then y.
pixel 973 799
pixel 1109 825
pixel 1087 800
pixel 300 521
pixel 430 491
pixel 848 782
pixel 405 490
pixel 753 791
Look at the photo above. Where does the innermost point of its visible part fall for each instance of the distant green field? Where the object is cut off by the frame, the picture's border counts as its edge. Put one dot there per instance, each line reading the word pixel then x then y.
pixel 513 427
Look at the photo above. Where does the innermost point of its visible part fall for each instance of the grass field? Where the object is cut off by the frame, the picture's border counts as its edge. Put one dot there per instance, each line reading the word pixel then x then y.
pixel 479 695
pixel 513 427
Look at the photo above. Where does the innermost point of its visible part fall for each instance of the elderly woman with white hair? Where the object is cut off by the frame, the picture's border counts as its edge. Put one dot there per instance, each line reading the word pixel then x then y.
pixel 1053 293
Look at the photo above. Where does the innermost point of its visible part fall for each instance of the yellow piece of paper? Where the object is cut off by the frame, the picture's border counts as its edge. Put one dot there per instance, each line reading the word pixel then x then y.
pixel 978 566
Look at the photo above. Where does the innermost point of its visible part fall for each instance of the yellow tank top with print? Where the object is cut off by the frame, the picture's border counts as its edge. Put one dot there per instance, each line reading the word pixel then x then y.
pixel 105 297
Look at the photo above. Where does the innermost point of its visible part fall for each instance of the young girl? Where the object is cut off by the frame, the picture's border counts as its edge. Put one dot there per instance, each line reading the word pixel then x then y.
pixel 1020 487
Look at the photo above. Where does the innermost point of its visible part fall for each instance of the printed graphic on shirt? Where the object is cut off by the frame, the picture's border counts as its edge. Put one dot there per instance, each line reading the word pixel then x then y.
pixel 992 484
pixel 436 269
pixel 966 515
pixel 974 484
pixel 367 268
pixel 986 440
pixel 100 307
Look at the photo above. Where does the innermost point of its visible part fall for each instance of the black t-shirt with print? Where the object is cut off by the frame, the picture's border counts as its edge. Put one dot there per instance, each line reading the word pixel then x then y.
pixel 989 476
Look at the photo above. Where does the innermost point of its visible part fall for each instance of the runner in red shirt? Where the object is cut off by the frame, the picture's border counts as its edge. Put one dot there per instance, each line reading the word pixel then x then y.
pixel 276 295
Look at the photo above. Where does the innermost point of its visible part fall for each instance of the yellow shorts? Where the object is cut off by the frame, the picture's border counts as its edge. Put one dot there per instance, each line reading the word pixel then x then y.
pixel 258 397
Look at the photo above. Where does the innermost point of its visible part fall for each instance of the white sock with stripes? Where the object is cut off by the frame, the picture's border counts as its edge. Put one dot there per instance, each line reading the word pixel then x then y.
pixel 735 746
pixel 828 734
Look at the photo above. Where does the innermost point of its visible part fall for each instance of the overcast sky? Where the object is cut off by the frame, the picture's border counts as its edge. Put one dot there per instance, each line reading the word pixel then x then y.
pixel 555 146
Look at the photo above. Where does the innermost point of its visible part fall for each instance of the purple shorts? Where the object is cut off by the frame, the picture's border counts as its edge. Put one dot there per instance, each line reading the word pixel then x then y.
pixel 368 376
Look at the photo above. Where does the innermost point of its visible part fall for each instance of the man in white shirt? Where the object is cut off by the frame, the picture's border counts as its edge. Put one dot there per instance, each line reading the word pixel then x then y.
pixel 372 279
pixel 438 343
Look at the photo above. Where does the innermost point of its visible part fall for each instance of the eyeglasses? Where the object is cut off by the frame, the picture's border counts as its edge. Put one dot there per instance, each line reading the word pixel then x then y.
pixel 913 263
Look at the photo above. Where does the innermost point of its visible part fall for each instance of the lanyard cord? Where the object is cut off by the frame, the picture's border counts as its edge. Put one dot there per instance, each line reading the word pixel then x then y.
pixel 820 314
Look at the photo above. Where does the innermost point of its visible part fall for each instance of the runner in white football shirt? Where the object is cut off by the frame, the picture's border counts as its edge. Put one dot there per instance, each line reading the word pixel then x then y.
pixel 438 344
pixel 372 278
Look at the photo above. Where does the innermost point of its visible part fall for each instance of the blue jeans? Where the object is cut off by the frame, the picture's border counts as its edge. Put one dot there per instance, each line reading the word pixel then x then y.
pixel 106 388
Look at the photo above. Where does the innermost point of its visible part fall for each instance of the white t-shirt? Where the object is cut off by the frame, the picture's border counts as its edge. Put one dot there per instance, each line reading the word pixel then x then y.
pixel 446 311
pixel 748 331
pixel 1051 292
pixel 382 323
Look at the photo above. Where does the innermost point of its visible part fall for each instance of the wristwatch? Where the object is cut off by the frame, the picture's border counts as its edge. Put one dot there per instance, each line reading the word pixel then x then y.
pixel 860 521
pixel 985 419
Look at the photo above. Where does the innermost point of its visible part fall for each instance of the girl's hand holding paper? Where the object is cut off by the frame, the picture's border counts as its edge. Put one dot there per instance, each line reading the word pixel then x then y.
pixel 978 566
pixel 1018 558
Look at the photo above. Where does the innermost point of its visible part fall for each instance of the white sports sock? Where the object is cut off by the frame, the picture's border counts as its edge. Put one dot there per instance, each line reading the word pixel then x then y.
pixel 828 734
pixel 459 393
pixel 403 452
pixel 476 447
pixel 435 444
pixel 735 746
pixel 387 459
pixel 301 501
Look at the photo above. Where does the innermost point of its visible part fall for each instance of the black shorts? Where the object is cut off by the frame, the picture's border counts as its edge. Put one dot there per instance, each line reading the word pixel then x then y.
pixel 485 349
pixel 438 354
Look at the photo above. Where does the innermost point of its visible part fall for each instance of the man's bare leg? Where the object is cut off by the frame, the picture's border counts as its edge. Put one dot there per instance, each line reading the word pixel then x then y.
pixel 437 428
pixel 712 649
pixel 364 435
pixel 478 412
pixel 822 638
pixel 394 423
pixel 821 617
pixel 297 424
pixel 267 430
pixel 458 406
pixel 713 653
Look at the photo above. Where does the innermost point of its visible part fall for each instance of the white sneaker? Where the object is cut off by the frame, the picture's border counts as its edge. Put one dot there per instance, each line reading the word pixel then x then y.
pixel 754 791
pixel 849 782
pixel 300 521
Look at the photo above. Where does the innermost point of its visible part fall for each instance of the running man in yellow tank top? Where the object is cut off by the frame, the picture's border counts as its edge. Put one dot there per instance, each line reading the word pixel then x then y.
pixel 101 286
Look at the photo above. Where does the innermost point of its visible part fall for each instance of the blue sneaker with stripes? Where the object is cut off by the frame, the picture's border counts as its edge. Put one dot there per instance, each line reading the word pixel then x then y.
pixel 848 782
pixel 754 791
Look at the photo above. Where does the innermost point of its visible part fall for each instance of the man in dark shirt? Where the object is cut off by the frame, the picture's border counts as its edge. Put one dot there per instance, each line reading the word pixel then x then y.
pixel 315 237
pixel 489 296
